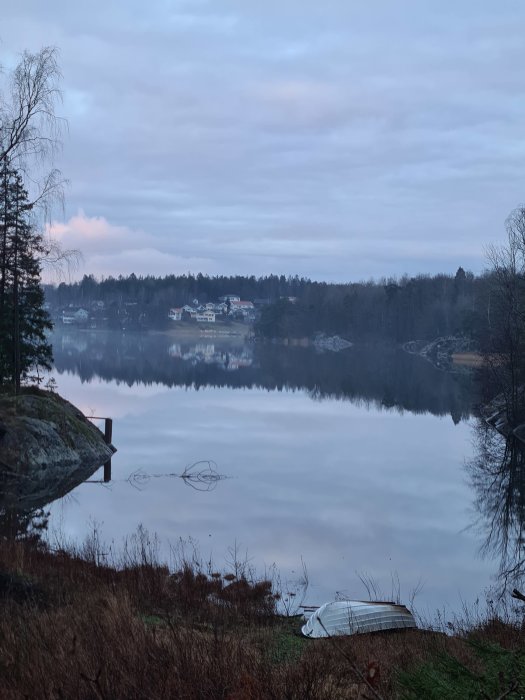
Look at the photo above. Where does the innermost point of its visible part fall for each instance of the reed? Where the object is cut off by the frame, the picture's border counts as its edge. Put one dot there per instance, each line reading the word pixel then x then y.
pixel 90 622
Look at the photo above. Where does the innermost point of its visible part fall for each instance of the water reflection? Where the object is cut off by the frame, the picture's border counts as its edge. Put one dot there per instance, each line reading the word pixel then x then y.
pixel 28 492
pixel 23 497
pixel 200 476
pixel 381 377
pixel 230 359
pixel 332 457
pixel 497 473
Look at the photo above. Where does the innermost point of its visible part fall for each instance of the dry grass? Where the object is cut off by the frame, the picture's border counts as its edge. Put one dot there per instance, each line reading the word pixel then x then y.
pixel 73 627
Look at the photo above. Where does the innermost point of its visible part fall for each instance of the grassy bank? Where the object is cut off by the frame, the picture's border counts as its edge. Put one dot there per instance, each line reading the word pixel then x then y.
pixel 72 626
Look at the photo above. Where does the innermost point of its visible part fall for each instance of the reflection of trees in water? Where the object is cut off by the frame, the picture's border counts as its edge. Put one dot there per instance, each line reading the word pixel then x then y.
pixel 497 474
pixel 380 376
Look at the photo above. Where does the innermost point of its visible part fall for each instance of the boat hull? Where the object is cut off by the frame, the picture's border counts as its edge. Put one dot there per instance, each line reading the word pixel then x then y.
pixel 344 617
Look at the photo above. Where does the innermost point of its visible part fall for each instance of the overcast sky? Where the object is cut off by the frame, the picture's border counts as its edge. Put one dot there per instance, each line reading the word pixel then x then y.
pixel 340 140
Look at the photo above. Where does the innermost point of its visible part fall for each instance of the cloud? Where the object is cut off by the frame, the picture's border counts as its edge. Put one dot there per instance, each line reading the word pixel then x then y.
pixel 109 249
pixel 192 127
pixel 299 103
pixel 91 234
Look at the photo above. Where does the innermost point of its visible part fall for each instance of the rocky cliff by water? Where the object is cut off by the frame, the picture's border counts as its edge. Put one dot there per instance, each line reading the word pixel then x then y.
pixel 45 441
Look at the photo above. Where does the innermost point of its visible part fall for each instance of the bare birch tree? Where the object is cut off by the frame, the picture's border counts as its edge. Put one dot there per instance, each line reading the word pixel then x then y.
pixel 505 355
pixel 30 136
pixel 30 132
pixel 29 126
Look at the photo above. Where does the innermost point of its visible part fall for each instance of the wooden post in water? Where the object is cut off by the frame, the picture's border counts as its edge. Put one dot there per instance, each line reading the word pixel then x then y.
pixel 108 430
pixel 108 435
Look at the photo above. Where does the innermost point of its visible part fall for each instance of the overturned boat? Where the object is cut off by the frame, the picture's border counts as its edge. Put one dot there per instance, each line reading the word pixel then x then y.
pixel 356 617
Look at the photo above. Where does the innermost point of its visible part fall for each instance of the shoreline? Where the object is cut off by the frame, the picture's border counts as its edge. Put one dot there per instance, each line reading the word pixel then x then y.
pixel 71 618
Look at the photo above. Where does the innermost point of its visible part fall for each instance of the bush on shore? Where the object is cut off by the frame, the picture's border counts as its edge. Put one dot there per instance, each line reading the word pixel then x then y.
pixel 73 626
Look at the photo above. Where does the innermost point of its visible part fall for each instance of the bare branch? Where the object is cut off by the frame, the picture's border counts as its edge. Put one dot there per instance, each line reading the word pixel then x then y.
pixel 28 123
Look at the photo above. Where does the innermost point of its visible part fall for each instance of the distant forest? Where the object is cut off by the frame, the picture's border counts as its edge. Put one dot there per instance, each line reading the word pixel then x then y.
pixel 394 309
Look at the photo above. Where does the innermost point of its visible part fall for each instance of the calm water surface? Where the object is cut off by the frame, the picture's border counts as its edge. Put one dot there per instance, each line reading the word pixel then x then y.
pixel 353 463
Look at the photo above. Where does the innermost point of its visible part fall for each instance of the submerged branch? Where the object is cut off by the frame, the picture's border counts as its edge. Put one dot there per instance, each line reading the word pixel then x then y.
pixel 201 475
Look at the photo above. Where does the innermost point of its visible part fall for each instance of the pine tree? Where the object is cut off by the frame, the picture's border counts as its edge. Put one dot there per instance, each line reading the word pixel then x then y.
pixel 23 319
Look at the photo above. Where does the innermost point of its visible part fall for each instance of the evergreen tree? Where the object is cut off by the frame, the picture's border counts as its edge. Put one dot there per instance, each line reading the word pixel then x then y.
pixel 23 319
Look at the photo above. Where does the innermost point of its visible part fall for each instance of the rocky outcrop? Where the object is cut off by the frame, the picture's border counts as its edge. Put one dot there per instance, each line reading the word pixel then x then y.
pixel 46 443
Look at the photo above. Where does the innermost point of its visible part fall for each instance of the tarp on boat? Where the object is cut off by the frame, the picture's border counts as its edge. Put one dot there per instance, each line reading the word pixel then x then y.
pixel 356 617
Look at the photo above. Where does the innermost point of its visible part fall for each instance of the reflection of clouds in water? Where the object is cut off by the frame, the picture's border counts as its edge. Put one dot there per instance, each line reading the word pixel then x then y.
pixel 93 398
pixel 346 488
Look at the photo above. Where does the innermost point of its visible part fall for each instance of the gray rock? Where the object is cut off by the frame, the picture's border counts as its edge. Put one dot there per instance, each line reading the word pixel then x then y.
pixel 46 446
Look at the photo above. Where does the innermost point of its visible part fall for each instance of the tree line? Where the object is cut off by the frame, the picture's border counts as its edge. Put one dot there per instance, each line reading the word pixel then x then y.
pixel 156 295
pixel 392 310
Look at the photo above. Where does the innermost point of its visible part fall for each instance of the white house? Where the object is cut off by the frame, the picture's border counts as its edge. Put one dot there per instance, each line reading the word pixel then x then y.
pixel 205 317
pixel 244 307
pixel 74 315
pixel 230 297
pixel 175 314
pixel 68 318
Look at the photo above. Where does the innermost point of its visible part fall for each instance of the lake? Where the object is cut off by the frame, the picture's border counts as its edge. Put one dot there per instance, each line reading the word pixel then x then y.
pixel 351 462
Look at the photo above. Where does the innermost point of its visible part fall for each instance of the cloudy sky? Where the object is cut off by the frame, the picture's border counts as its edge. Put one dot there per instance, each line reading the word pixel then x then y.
pixel 340 140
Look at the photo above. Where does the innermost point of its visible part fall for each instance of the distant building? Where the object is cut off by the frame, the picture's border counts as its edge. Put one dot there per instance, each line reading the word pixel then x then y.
pixel 74 315
pixel 230 298
pixel 175 314
pixel 245 307
pixel 205 317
